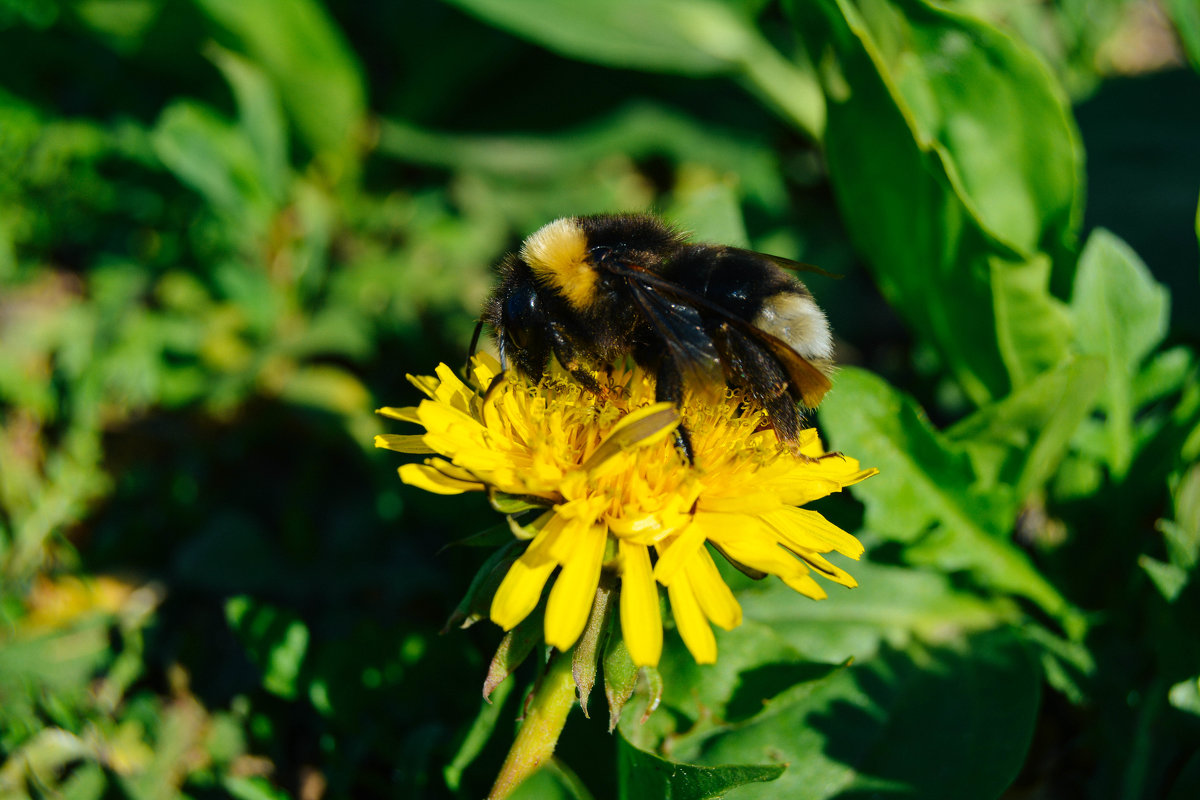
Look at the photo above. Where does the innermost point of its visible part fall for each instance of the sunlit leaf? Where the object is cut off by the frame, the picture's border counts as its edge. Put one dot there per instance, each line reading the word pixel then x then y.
pixel 1020 441
pixel 953 238
pixel 276 641
pixel 927 494
pixel 301 48
pixel 1120 315
pixel 690 37
pixel 1185 14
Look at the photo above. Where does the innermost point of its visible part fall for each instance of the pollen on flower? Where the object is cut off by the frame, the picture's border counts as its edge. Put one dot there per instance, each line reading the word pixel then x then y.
pixel 619 495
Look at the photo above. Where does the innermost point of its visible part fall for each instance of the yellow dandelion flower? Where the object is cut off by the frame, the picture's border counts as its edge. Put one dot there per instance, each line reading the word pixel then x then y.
pixel 618 494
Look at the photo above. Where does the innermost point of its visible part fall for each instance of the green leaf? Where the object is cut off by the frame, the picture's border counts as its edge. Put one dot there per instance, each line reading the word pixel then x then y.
pixel 260 117
pixel 216 159
pixel 949 722
pixel 654 35
pixel 686 37
pixel 255 788
pixel 312 65
pixel 951 231
pixel 1020 441
pixel 1169 579
pixel 477 601
pixel 636 130
pixel 554 781
pixel 1121 315
pixel 1185 14
pixel 645 776
pixel 927 495
pixel 1032 328
pixel 477 736
pixel 1183 535
pixel 1185 696
pixel 276 640
pixel 712 214
pixel 991 109
pixel 890 606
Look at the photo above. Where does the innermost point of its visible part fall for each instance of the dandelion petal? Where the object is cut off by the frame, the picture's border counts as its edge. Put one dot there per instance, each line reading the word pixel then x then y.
pixel 575 588
pixel 690 620
pixel 712 593
pixel 519 592
pixel 641 620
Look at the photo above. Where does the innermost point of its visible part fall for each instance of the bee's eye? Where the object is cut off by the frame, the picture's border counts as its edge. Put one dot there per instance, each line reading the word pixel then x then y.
pixel 522 313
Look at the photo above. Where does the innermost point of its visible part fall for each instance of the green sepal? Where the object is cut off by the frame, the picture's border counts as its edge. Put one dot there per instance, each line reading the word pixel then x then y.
pixel 653 681
pixel 514 648
pixel 494 536
pixel 587 649
pixel 620 678
pixel 478 600
pixel 515 504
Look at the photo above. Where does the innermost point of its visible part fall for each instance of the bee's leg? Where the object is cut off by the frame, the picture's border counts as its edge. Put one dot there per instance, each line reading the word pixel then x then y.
pixel 668 388
pixel 753 366
pixel 568 356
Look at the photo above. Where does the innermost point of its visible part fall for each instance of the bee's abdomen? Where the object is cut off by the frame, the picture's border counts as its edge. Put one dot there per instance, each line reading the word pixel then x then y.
pixel 754 289
pixel 794 317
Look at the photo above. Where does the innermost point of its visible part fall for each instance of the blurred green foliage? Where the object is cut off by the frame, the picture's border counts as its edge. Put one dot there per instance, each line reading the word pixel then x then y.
pixel 228 229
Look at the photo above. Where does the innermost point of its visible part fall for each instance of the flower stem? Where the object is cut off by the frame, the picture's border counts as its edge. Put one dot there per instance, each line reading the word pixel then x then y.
pixel 539 733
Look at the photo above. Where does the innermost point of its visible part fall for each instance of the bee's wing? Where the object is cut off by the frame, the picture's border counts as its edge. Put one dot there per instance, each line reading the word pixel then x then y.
pixel 786 263
pixel 807 383
pixel 681 327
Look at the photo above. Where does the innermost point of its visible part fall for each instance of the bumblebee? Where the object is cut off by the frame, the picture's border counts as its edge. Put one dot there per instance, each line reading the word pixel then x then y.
pixel 592 290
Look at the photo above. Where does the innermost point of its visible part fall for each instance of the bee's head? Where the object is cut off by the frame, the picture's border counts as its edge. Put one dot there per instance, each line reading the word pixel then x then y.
pixel 517 317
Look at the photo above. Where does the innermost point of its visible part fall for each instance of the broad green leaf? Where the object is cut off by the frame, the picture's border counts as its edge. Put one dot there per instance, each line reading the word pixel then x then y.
pixel 687 37
pixel 891 606
pixel 1032 328
pixel 1020 441
pixel 947 722
pixel 1121 315
pixel 952 237
pixel 313 67
pixel 654 35
pixel 927 495
pixel 993 112
pixel 754 660
pixel 276 640
pixel 645 776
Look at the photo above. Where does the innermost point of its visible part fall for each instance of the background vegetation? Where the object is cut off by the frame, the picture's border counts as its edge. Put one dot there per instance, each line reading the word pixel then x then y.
pixel 228 228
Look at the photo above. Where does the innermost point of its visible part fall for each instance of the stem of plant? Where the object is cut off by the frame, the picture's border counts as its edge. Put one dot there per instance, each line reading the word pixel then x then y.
pixel 539 732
